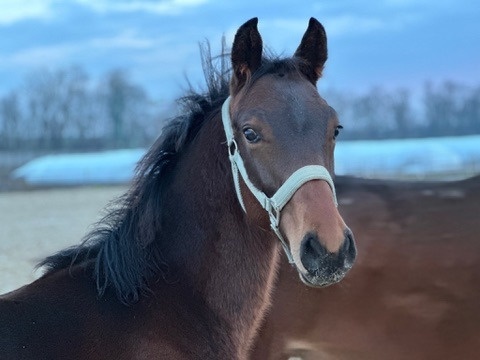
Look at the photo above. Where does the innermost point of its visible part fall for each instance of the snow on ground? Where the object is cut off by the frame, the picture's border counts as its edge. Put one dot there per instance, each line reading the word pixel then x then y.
pixel 414 158
pixel 108 167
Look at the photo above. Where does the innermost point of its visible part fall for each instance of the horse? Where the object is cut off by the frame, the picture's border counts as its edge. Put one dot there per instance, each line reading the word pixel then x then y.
pixel 182 266
pixel 414 291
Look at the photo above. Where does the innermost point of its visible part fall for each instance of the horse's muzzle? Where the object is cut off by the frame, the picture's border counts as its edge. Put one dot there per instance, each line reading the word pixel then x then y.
pixel 322 267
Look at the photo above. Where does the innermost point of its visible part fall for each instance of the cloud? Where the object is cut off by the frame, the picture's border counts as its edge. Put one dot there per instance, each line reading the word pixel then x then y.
pixel 166 7
pixel 421 3
pixel 41 55
pixel 340 25
pixel 292 29
pixel 127 39
pixel 348 25
pixel 13 10
pixel 66 52
pixel 351 24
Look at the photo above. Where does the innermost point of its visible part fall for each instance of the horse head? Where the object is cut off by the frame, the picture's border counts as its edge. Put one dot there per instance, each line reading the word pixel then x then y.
pixel 281 138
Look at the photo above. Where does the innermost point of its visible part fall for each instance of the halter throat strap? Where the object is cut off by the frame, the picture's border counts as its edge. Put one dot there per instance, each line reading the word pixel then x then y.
pixel 273 205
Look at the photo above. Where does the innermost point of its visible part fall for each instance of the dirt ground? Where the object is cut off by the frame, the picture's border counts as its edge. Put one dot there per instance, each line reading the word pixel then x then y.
pixel 37 223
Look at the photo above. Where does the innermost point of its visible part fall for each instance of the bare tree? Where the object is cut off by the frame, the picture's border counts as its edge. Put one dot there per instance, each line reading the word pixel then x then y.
pixel 11 117
pixel 64 109
pixel 371 111
pixel 126 105
pixel 402 113
pixel 54 101
pixel 468 113
pixel 441 108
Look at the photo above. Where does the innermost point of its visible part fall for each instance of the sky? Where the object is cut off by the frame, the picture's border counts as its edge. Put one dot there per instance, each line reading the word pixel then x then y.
pixel 389 43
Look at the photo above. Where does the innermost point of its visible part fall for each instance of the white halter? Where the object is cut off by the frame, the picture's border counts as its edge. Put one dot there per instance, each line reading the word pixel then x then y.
pixel 275 204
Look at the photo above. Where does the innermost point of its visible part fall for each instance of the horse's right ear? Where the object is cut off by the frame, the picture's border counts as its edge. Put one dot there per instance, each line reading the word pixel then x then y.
pixel 246 54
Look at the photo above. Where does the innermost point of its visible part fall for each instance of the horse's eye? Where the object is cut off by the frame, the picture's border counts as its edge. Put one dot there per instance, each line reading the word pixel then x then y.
pixel 337 131
pixel 251 135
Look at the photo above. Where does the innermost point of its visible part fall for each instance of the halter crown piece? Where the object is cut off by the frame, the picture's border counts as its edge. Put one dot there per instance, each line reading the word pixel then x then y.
pixel 282 196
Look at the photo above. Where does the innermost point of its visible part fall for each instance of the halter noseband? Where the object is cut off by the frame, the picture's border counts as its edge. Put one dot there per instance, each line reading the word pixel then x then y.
pixel 282 196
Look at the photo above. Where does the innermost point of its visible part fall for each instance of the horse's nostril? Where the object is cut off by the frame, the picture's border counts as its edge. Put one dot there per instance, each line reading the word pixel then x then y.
pixel 311 252
pixel 348 243
pixel 348 249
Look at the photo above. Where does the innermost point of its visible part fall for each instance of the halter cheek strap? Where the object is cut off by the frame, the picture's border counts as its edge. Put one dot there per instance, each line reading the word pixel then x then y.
pixel 282 196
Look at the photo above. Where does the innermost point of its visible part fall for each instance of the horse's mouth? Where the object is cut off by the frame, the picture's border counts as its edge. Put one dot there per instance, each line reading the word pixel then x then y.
pixel 322 280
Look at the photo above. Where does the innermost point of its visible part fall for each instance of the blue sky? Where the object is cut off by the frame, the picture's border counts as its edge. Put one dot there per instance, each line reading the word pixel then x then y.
pixel 390 43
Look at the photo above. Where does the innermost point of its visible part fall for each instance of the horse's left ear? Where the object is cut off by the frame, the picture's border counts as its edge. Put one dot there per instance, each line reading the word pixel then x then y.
pixel 246 54
pixel 313 50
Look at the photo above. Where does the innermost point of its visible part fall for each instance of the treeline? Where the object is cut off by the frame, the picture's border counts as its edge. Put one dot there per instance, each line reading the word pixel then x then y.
pixel 65 110
pixel 445 109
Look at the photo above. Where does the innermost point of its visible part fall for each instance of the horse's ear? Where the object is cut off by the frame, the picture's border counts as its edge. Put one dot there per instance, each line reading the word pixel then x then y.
pixel 246 54
pixel 313 50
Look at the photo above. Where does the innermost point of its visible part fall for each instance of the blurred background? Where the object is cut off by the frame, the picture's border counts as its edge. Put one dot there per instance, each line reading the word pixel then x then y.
pixel 86 86
pixel 85 75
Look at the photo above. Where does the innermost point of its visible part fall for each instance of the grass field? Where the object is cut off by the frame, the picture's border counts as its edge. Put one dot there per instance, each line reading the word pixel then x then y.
pixel 36 223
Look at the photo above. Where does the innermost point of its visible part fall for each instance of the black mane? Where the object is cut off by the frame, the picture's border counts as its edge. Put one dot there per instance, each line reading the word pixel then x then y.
pixel 122 246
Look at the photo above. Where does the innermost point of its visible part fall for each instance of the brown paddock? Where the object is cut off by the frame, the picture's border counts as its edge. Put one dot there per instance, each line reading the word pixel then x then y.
pixel 414 292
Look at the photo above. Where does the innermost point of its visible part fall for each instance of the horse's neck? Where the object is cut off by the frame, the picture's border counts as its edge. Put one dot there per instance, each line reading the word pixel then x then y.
pixel 230 262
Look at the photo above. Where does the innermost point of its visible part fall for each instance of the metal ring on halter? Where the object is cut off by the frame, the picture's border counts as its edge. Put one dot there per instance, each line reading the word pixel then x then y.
pixel 231 151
